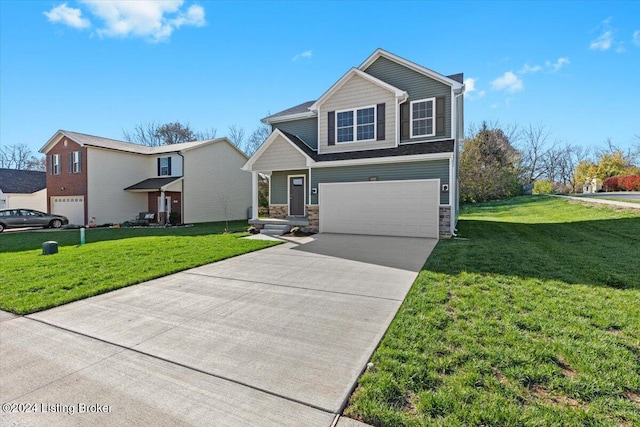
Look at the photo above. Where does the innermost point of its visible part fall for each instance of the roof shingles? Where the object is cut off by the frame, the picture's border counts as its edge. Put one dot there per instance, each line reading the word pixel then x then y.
pixel 21 181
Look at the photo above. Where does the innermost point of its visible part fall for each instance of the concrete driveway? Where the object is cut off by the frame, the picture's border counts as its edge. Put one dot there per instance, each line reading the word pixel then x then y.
pixel 275 337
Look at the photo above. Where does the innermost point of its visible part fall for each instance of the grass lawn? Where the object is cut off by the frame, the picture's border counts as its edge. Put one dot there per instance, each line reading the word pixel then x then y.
pixel 116 258
pixel 531 317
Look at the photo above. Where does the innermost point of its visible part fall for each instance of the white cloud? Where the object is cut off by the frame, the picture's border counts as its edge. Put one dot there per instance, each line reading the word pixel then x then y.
pixel 152 20
pixel 470 89
pixel 307 54
pixel 509 82
pixel 529 69
pixel 636 38
pixel 560 62
pixel 603 42
pixel 69 16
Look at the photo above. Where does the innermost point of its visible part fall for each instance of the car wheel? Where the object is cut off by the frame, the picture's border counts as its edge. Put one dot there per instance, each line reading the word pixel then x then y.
pixel 56 223
pixel 1 227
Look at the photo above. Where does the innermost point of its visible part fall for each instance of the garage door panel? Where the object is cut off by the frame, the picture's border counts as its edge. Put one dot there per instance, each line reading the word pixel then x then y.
pixel 392 208
pixel 70 206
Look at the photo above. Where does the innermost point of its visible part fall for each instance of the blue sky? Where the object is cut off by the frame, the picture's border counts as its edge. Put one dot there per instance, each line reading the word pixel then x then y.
pixel 101 67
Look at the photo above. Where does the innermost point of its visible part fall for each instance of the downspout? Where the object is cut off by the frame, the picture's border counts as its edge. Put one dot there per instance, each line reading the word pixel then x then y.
pixel 182 192
pixel 456 153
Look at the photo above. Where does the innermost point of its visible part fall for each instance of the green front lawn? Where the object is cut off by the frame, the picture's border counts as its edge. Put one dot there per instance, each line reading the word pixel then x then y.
pixel 531 317
pixel 31 282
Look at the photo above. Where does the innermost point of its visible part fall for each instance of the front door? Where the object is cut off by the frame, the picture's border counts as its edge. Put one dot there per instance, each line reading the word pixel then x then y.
pixel 296 196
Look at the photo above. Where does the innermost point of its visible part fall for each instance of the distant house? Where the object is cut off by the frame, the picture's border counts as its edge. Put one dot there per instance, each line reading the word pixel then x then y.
pixel 89 176
pixel 23 189
pixel 377 153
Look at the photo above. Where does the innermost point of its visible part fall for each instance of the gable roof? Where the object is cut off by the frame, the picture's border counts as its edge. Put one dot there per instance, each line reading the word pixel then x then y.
pixel 298 145
pixel 399 94
pixel 21 181
pixel 154 184
pixel 298 112
pixel 411 65
pixel 85 140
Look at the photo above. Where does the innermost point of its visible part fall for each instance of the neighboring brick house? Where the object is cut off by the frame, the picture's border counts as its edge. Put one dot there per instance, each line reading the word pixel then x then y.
pixel 23 189
pixel 89 176
pixel 377 153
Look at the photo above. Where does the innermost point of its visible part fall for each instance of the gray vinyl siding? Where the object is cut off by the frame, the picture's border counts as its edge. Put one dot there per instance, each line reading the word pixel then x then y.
pixel 305 129
pixel 384 172
pixel 279 185
pixel 417 85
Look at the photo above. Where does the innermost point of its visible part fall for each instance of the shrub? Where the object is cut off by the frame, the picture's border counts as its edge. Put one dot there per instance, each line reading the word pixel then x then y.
pixel 174 218
pixel 622 183
pixel 543 187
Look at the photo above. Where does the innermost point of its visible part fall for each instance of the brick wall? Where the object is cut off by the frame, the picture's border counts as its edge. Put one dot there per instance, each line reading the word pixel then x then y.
pixel 175 207
pixel 278 211
pixel 67 183
pixel 313 215
pixel 445 221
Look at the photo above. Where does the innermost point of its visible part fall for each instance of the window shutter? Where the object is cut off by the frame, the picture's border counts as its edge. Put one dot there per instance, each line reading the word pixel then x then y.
pixel 331 120
pixel 405 120
pixel 380 123
pixel 79 161
pixel 158 166
pixel 440 110
pixel 51 164
pixel 169 165
pixel 70 162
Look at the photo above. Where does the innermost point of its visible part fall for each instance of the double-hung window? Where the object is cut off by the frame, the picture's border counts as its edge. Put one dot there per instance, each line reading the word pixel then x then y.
pixel 356 125
pixel 423 117
pixel 55 164
pixel 164 167
pixel 76 162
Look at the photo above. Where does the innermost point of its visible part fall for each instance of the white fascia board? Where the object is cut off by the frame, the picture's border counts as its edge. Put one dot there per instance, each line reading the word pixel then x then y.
pixel 411 65
pixel 277 132
pixel 382 160
pixel 57 137
pixel 289 117
pixel 399 94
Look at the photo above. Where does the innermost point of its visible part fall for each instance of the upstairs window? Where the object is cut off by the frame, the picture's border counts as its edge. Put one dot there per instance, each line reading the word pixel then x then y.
pixel 76 162
pixel 362 128
pixel 55 164
pixel 164 166
pixel 422 117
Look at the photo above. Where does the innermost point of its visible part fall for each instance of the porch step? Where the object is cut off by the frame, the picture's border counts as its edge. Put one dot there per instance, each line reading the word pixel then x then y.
pixel 275 229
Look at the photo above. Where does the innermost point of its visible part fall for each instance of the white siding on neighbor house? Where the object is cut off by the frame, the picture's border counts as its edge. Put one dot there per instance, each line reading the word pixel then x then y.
pixel 213 178
pixel 280 155
pixel 108 174
pixel 176 165
pixel 356 93
pixel 37 200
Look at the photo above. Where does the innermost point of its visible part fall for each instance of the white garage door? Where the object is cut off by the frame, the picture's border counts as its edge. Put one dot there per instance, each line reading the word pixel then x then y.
pixel 387 208
pixel 70 206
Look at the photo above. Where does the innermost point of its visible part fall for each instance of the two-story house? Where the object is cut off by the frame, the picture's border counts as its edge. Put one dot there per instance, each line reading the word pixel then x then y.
pixel 377 153
pixel 89 176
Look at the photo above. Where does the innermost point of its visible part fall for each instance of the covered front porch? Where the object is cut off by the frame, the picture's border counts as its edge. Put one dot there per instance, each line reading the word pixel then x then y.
pixel 164 197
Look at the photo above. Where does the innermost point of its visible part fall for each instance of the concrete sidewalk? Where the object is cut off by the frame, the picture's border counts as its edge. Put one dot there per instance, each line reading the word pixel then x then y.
pixel 275 337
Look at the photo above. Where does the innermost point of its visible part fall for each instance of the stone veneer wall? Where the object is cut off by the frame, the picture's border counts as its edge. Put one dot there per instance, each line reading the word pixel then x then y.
pixel 445 221
pixel 312 215
pixel 278 211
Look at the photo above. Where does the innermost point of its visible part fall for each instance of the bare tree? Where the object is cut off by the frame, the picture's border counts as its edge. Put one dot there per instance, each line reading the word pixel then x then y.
pixel 154 134
pixel 19 156
pixel 257 137
pixel 533 146
pixel 206 134
pixel 237 136
pixel 37 164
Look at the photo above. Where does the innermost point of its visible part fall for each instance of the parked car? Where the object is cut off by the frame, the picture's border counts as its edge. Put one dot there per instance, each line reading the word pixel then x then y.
pixel 17 218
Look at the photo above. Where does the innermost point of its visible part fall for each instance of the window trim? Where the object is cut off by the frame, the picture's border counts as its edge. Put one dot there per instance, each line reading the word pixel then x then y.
pixel 76 167
pixel 56 167
pixel 167 167
pixel 355 124
pixel 433 118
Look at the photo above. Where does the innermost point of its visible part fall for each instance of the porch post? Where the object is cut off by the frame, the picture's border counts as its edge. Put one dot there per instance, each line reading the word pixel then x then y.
pixel 254 195
pixel 162 207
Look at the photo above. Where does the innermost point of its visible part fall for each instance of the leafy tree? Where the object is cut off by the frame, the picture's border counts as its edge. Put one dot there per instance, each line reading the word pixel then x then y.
pixel 488 167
